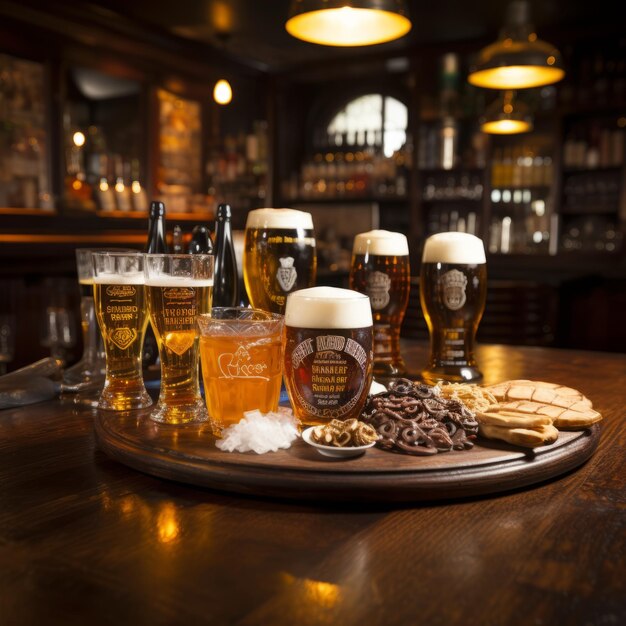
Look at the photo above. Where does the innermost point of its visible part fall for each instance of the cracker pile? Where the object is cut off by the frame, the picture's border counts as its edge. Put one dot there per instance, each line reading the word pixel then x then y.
pixel 524 412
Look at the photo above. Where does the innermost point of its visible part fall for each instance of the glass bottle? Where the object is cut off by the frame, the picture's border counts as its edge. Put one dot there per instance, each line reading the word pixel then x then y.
pixel 226 279
pixel 200 241
pixel 157 243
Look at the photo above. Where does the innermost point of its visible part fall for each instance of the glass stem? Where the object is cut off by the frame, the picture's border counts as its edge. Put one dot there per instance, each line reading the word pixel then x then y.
pixel 92 341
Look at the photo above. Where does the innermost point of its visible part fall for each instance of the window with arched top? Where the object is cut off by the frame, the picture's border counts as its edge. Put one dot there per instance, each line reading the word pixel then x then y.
pixel 372 119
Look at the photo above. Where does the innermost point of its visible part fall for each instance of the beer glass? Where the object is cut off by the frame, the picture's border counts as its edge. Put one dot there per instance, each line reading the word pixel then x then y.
pixel 453 290
pixel 279 256
pixel 241 353
pixel 92 364
pixel 380 269
pixel 178 288
pixel 121 310
pixel 328 353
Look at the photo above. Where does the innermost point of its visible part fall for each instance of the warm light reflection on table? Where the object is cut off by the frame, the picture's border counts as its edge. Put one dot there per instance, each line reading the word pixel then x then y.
pixel 167 523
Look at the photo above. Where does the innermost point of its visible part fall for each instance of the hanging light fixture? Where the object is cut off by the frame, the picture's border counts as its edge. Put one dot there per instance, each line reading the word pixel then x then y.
pixel 518 59
pixel 222 92
pixel 507 116
pixel 348 22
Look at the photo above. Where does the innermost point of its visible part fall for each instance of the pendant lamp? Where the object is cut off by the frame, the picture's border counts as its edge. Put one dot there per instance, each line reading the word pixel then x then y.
pixel 518 59
pixel 222 92
pixel 348 22
pixel 507 116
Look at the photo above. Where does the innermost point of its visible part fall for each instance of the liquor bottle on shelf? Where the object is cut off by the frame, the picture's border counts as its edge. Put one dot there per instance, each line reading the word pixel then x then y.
pixel 225 276
pixel 122 192
pixel 200 241
pixel 24 178
pixel 139 195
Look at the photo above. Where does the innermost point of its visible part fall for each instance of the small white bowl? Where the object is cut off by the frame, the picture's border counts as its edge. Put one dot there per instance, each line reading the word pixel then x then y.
pixel 333 451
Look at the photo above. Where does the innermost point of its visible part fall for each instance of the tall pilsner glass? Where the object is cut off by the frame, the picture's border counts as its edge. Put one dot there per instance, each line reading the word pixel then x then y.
pixel 453 290
pixel 92 365
pixel 380 269
pixel 179 288
pixel 279 256
pixel 119 297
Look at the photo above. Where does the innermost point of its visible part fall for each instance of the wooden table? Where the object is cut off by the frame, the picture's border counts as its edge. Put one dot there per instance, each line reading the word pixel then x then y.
pixel 84 540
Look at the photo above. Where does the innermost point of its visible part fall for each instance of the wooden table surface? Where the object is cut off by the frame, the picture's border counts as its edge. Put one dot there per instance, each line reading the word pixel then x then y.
pixel 85 540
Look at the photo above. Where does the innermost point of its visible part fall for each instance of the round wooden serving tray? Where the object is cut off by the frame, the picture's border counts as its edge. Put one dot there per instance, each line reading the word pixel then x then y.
pixel 188 454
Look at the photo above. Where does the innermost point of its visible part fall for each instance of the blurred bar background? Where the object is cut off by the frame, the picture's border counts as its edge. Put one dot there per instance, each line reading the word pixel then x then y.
pixel 107 105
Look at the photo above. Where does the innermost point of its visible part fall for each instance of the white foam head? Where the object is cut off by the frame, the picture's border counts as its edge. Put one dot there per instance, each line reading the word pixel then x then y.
pixel 110 278
pixel 118 268
pixel 279 219
pixel 178 281
pixel 328 307
pixel 454 248
pixel 381 243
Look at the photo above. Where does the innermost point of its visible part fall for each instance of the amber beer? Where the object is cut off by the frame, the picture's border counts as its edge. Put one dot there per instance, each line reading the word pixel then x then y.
pixel 92 364
pixel 279 256
pixel 380 269
pixel 241 351
pixel 179 288
pixel 328 353
pixel 453 290
pixel 119 296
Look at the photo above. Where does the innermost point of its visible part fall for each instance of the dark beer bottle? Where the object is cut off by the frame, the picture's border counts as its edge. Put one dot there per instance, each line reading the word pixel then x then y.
pixel 226 279
pixel 156 244
pixel 200 241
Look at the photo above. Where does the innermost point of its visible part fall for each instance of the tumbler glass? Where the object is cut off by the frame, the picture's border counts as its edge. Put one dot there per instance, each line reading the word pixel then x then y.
pixel 242 363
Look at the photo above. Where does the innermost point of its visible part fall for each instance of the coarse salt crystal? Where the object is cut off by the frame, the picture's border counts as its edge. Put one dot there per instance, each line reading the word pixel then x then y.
pixel 260 433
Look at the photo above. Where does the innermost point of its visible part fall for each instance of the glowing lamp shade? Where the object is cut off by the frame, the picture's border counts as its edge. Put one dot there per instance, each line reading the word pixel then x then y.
pixel 518 60
pixel 506 127
pixel 348 22
pixel 506 116
pixel 79 139
pixel 222 92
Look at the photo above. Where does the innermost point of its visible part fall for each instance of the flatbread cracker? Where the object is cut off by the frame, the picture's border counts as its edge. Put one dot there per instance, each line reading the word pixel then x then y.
pixel 580 417
pixel 525 437
pixel 541 392
pixel 511 419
